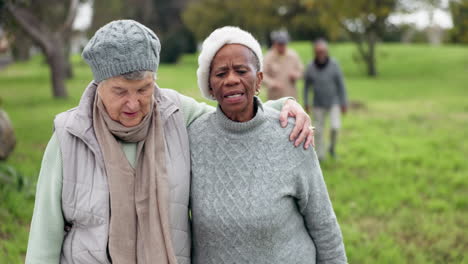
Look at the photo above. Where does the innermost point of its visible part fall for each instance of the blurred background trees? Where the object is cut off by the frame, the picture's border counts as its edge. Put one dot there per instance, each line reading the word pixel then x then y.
pixel 162 16
pixel 48 24
pixel 364 22
pixel 182 24
pixel 459 10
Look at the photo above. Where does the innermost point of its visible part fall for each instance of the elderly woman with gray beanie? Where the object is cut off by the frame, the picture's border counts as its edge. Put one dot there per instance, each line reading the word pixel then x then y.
pixel 115 178
pixel 254 197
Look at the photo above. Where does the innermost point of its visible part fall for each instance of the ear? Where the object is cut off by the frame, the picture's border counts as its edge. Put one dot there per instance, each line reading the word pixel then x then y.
pixel 210 90
pixel 259 81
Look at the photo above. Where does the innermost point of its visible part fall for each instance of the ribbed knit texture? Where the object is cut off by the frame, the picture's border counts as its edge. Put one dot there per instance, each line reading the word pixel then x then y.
pixel 255 197
pixel 120 47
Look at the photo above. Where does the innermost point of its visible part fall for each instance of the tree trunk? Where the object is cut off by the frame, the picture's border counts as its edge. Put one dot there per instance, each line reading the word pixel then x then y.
pixel 68 66
pixel 370 58
pixel 58 61
pixel 21 47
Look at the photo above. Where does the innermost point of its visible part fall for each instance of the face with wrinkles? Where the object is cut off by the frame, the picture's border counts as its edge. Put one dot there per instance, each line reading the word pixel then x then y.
pixel 234 80
pixel 127 101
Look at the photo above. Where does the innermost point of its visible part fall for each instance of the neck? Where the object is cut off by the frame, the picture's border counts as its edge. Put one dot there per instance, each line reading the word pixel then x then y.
pixel 234 125
pixel 242 116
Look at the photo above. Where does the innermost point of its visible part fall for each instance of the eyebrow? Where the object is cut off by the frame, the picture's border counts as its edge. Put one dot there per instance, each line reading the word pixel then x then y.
pixel 118 88
pixel 237 66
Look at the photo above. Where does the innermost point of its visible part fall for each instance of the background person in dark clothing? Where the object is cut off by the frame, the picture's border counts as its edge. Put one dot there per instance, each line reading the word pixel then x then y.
pixel 323 75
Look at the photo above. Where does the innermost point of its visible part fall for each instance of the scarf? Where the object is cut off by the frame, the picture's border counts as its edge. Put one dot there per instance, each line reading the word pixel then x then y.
pixel 139 229
pixel 320 65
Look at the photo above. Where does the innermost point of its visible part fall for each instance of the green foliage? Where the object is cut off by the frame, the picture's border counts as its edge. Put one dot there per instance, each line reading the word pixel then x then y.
pixel 11 178
pixel 176 43
pixel 398 188
pixel 163 17
pixel 364 21
pixel 459 10
pixel 259 18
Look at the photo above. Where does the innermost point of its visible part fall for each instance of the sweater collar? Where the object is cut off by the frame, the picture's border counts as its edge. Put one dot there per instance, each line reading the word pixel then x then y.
pixel 322 65
pixel 230 126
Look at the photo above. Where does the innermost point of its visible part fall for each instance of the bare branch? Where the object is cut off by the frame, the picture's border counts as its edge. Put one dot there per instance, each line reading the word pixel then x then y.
pixel 72 11
pixel 31 25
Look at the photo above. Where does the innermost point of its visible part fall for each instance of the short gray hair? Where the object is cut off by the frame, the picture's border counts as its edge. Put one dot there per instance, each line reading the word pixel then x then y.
pixel 321 41
pixel 136 75
pixel 133 76
pixel 280 36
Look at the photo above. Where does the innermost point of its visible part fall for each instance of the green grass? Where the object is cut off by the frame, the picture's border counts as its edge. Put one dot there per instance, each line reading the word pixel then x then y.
pixel 399 187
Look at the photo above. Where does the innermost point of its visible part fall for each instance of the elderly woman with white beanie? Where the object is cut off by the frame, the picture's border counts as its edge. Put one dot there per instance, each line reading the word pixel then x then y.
pixel 254 197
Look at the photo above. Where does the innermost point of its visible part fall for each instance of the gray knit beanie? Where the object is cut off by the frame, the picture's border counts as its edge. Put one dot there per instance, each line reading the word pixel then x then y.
pixel 122 46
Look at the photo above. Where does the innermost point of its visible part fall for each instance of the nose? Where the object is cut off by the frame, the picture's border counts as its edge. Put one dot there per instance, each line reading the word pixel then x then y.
pixel 133 103
pixel 232 79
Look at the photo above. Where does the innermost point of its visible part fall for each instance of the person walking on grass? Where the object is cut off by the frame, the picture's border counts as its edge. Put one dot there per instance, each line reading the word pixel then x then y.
pixel 283 68
pixel 115 178
pixel 254 197
pixel 324 78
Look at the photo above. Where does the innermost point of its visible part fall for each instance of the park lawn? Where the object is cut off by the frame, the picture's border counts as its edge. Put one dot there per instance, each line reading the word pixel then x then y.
pixel 399 187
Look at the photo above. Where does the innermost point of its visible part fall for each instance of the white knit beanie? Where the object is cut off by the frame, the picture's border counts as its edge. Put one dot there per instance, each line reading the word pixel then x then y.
pixel 214 42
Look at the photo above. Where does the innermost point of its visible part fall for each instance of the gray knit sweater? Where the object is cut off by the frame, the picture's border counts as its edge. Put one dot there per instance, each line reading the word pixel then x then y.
pixel 255 197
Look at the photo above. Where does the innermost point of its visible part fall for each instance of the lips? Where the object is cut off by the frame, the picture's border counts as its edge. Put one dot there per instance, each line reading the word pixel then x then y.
pixel 130 114
pixel 234 97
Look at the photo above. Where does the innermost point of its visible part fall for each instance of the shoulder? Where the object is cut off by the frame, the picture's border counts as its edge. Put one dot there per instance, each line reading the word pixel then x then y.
pixel 63 119
pixel 269 53
pixel 292 53
pixel 334 62
pixel 310 66
pixel 170 96
pixel 201 124
pixel 279 137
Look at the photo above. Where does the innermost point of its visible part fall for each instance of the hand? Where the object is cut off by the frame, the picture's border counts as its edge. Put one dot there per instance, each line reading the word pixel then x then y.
pixel 344 109
pixel 292 78
pixel 303 129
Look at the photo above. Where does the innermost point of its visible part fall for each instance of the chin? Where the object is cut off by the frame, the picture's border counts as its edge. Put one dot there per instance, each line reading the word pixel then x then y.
pixel 131 123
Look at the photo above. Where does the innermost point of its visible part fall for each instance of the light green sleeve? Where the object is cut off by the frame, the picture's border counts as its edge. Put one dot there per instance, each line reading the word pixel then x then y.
pixel 193 109
pixel 47 226
pixel 278 104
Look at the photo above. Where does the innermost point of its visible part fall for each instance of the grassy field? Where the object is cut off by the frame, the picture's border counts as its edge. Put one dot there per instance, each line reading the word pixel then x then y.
pixel 399 187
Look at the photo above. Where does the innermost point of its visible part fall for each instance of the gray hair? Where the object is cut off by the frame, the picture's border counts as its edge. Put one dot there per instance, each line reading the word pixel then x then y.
pixel 256 60
pixel 321 41
pixel 280 36
pixel 133 76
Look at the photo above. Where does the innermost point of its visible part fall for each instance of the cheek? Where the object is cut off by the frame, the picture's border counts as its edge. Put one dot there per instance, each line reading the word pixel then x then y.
pixel 114 109
pixel 214 86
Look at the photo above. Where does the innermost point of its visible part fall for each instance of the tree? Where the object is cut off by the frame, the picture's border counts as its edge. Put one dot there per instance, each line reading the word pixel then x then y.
pixel 362 20
pixel 48 23
pixel 459 10
pixel 162 16
pixel 259 18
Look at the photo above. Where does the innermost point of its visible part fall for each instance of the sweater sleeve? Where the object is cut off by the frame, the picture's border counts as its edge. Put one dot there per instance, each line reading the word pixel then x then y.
pixel 339 80
pixel 47 226
pixel 319 217
pixel 193 109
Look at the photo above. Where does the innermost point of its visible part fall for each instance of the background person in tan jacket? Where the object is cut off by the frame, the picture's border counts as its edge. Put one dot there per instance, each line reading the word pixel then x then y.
pixel 283 68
